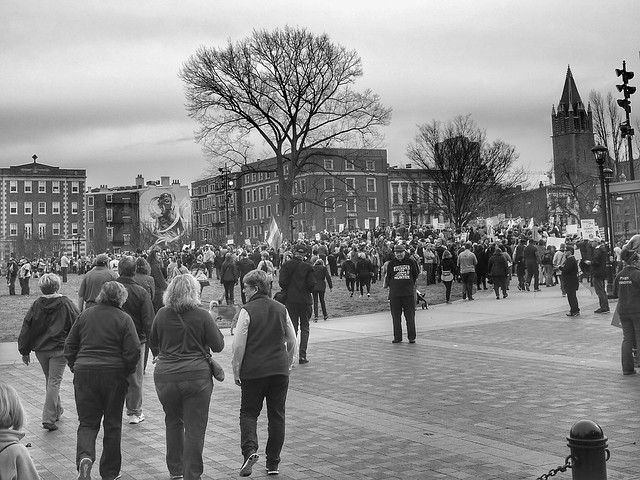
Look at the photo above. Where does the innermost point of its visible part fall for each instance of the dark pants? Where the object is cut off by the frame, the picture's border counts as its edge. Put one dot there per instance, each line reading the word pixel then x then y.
pixel 521 272
pixel 467 285
pixel 406 304
pixel 365 282
pixel 499 283
pixel 228 292
pixel 64 271
pixel 12 285
pixel 532 272
pixel 598 285
pixel 209 266
pixel 24 286
pixel 300 314
pixel 100 396
pixel 254 392
pixel 572 298
pixel 351 284
pixel 630 336
pixel 186 412
pixel 447 290
pixel 319 296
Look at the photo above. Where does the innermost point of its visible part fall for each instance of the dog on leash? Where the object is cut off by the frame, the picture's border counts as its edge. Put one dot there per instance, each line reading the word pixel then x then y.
pixel 420 300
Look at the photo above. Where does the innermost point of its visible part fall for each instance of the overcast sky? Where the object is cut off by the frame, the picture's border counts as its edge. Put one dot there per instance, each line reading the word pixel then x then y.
pixel 94 84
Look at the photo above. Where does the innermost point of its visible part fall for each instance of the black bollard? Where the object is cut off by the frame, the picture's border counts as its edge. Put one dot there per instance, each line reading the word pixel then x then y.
pixel 589 451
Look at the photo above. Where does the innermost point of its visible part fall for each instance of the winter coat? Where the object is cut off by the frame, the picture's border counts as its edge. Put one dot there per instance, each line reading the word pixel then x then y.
pixel 47 324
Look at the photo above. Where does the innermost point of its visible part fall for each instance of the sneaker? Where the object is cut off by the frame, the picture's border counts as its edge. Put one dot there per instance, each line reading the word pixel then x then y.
pixel 315 320
pixel 136 419
pixel 303 361
pixel 176 477
pixel 247 467
pixel 368 295
pixel 505 295
pixel 537 290
pixel 396 341
pixel 498 298
pixel 84 470
pixel 601 310
pixel 326 317
pixel 49 426
pixel 272 471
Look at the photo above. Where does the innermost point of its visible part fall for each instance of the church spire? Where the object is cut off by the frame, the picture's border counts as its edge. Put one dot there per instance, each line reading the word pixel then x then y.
pixel 570 100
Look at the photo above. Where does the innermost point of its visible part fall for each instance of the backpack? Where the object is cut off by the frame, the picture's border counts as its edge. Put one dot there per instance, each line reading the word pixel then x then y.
pixel 264 267
pixel 547 258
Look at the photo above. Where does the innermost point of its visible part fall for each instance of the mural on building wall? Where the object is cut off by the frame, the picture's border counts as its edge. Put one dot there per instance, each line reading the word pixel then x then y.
pixel 166 212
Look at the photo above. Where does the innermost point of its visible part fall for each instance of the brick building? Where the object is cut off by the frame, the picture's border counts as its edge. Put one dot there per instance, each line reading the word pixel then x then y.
pixel 413 195
pixel 41 209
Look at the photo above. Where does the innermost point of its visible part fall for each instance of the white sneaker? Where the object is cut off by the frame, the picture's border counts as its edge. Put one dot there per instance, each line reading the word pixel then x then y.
pixel 136 419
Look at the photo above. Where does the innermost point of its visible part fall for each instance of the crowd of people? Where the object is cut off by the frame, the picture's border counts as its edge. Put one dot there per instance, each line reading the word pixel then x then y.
pixel 148 304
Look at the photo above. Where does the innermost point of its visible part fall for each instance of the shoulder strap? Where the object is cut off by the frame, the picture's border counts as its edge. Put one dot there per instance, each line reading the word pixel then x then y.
pixel 7 446
pixel 188 330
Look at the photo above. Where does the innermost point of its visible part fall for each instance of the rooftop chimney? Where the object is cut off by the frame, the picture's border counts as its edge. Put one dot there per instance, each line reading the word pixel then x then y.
pixel 139 181
pixel 164 181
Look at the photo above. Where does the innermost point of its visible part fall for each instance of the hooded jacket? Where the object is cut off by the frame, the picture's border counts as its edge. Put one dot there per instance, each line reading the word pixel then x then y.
pixel 15 461
pixel 47 324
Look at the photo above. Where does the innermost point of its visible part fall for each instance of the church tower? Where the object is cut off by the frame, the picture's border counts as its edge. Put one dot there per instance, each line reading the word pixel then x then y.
pixel 572 135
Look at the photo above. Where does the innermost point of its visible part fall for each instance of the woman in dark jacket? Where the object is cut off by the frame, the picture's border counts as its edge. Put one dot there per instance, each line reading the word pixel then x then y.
pixel 44 331
pixel 482 267
pixel 571 282
pixel 348 271
pixel 322 279
pixel 447 273
pixel 159 279
pixel 229 275
pixel 364 271
pixel 182 375
pixel 499 269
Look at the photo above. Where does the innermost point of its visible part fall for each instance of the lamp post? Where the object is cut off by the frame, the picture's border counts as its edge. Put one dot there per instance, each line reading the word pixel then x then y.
pixel 608 176
pixel 600 153
pixel 410 203
pixel 291 226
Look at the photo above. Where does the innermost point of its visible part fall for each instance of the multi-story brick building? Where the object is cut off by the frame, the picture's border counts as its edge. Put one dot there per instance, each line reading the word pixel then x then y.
pixel 338 189
pixel 41 209
pixel 413 196
pixel 128 218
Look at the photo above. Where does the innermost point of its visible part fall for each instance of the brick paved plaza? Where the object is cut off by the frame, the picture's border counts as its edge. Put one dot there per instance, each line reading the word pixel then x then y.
pixel 490 390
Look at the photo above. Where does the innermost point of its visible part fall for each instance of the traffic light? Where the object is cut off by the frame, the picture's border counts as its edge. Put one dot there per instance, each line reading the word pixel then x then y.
pixel 625 88
pixel 626 130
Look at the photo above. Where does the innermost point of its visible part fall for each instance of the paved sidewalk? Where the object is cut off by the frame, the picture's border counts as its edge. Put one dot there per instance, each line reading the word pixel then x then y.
pixel 490 390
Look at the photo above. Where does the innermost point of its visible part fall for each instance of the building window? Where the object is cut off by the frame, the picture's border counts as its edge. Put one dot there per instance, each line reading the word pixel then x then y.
pixel 13 229
pixel 75 187
pixel 329 206
pixel 42 230
pixel 28 186
pixel 247 196
pixel 74 208
pixel 126 238
pixel 55 207
pixel 328 164
pixel 261 211
pixel 55 229
pixel 253 178
pixel 90 234
pixel 74 229
pixel 248 214
pixel 109 198
pixel 110 234
pixel 90 201
pixel 286 170
pixel 55 187
pixel 371 184
pixel 261 176
pixel 13 188
pixel 371 165
pixel 330 224
pixel 277 209
pixel 254 193
pixel 255 213
pixel 28 208
pixel 27 230
pixel 13 208
pixel 350 184
pixel 267 191
pixel 42 208
pixel 42 186
pixel 303 186
pixel 90 216
pixel 349 165
pixel 248 232
pixel 351 204
pixel 329 185
pixel 109 214
pixel 261 194
pixel 276 189
pixel 395 196
pixel 372 204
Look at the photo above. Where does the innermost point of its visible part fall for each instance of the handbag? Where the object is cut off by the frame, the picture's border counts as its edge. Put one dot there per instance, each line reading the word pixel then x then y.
pixel 280 296
pixel 217 371
pixel 447 276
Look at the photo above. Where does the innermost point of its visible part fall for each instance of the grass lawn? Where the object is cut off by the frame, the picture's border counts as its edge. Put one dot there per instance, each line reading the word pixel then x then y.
pixel 14 308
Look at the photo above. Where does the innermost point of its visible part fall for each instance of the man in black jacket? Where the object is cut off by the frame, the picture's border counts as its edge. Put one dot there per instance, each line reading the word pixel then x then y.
pixel 297 278
pixel 402 274
pixel 599 274
pixel 140 307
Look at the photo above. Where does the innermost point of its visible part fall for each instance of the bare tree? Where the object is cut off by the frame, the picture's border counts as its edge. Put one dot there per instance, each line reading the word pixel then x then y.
pixel 291 89
pixel 606 125
pixel 466 169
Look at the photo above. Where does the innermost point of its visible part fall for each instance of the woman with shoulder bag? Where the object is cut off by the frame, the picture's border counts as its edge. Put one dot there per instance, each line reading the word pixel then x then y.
pixel 182 375
pixel 447 273
pixel 199 271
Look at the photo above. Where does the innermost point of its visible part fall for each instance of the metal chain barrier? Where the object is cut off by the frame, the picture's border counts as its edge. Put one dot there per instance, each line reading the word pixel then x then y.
pixel 568 463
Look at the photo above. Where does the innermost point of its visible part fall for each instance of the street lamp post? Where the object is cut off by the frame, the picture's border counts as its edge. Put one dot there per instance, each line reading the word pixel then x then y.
pixel 608 176
pixel 600 153
pixel 410 203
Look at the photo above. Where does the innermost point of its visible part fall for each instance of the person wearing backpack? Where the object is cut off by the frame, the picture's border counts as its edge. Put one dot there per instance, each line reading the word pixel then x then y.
pixel 547 265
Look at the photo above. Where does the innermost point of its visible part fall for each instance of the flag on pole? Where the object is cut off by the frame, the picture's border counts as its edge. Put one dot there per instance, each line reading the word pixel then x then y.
pixel 274 236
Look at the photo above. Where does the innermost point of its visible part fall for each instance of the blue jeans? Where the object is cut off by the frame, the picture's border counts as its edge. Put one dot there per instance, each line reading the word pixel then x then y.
pixel 630 337
pixel 406 304
pixel 53 364
pixel 598 285
pixel 186 412
pixel 300 314
pixel 254 392
pixel 100 396
pixel 467 284
pixel 134 392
